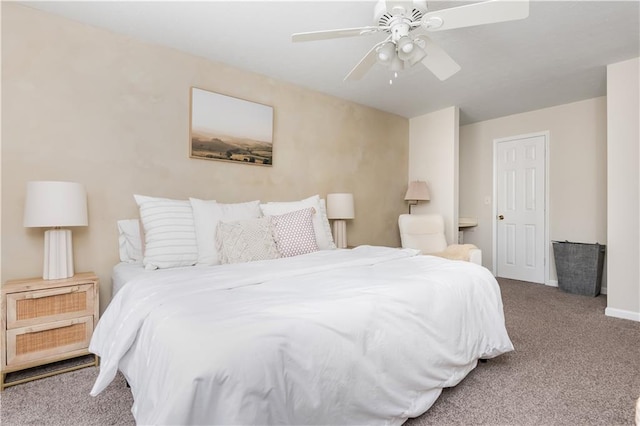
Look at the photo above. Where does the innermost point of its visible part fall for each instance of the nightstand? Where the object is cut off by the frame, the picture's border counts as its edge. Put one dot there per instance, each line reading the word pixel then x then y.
pixel 45 321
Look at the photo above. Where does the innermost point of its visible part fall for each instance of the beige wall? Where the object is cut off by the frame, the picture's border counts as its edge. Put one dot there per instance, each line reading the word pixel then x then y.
pixel 623 134
pixel 577 172
pixel 86 105
pixel 433 157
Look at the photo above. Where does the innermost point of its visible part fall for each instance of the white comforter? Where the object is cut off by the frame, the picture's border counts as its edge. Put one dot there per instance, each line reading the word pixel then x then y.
pixel 363 336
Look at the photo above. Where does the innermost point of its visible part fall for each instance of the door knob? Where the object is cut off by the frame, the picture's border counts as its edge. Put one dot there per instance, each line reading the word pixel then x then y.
pixel 501 217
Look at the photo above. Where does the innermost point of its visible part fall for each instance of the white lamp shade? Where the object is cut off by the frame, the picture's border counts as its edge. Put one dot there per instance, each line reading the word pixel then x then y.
pixel 417 191
pixel 340 206
pixel 53 204
pixel 416 55
pixel 385 53
pixel 406 46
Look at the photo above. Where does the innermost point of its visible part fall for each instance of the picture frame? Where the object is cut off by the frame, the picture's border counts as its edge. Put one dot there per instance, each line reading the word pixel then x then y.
pixel 224 128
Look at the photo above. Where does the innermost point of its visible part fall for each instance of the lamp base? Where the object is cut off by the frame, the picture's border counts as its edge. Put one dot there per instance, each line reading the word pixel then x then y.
pixel 58 254
pixel 340 233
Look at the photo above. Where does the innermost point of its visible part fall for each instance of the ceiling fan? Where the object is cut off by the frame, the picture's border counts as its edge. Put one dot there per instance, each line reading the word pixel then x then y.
pixel 407 23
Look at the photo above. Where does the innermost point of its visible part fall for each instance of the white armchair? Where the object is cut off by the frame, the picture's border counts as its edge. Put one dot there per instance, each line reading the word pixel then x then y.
pixel 425 232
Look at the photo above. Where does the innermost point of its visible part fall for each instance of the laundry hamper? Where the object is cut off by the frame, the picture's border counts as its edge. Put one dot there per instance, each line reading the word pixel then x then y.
pixel 579 267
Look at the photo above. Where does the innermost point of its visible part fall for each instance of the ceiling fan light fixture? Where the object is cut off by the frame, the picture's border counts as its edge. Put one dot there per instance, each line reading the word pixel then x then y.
pixel 385 53
pixel 405 44
pixel 408 49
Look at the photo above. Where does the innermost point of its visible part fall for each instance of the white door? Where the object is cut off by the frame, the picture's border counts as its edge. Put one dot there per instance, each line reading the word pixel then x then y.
pixel 520 208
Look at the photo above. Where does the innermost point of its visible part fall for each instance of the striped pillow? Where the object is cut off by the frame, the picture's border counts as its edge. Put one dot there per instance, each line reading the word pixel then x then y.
pixel 169 232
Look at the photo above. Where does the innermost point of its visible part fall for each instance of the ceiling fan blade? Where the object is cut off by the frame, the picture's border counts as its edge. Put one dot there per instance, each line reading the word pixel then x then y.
pixel 437 60
pixel 328 34
pixel 365 64
pixel 487 12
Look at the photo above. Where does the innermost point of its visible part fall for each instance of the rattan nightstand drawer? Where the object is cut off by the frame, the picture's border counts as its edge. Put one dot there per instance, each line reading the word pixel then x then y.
pixel 39 307
pixel 40 342
pixel 45 321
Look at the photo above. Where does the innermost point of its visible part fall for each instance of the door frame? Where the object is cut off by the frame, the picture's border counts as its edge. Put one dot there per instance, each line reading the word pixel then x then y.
pixel 494 227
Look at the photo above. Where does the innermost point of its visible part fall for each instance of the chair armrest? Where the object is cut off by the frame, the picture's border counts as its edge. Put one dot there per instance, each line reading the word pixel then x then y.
pixel 467 252
pixel 475 256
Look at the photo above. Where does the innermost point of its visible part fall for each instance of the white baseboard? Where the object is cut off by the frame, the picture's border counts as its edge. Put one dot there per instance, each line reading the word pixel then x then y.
pixel 610 312
pixel 620 313
pixel 554 283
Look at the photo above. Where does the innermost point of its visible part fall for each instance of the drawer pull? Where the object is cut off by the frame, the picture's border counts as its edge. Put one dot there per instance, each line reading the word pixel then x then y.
pixel 52 326
pixel 48 293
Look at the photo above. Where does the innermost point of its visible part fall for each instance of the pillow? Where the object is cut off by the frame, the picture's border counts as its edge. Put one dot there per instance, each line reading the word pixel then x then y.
pixel 207 214
pixel 321 227
pixel 325 224
pixel 293 233
pixel 129 241
pixel 169 232
pixel 245 240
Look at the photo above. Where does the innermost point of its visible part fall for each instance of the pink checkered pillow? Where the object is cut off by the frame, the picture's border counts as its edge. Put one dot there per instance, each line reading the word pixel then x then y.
pixel 294 233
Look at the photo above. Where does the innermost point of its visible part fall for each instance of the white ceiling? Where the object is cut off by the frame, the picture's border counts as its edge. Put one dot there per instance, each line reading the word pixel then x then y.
pixel 557 55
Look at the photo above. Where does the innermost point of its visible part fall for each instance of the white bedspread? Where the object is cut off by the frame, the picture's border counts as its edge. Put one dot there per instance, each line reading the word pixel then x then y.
pixel 363 336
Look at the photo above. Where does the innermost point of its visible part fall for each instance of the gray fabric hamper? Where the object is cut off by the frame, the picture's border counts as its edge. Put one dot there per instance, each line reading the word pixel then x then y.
pixel 579 267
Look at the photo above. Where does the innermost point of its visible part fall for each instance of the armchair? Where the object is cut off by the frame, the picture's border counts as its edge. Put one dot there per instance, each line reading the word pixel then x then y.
pixel 425 232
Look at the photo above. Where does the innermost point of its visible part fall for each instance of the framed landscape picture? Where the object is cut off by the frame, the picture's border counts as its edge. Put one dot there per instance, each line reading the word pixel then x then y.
pixel 230 129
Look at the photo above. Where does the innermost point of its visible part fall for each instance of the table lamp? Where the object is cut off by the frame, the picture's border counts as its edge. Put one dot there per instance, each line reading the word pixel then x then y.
pixel 56 205
pixel 339 208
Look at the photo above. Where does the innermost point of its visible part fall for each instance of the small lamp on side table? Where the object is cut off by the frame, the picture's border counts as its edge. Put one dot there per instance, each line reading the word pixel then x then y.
pixel 417 191
pixel 56 204
pixel 339 208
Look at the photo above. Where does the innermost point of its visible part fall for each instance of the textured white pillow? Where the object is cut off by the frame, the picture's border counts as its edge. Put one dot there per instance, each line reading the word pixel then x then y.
pixel 129 241
pixel 246 240
pixel 321 227
pixel 207 214
pixel 325 223
pixel 294 234
pixel 169 232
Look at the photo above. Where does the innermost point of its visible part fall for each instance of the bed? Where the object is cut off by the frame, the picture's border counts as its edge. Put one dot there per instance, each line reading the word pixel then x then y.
pixel 246 313
pixel 369 336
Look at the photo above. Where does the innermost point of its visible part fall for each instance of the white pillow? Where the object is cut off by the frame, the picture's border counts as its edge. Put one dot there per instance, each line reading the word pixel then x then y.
pixel 207 214
pixel 324 239
pixel 325 223
pixel 294 233
pixel 246 240
pixel 129 241
pixel 169 232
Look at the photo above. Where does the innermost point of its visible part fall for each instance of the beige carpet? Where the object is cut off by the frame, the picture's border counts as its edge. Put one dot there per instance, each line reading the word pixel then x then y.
pixel 572 366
